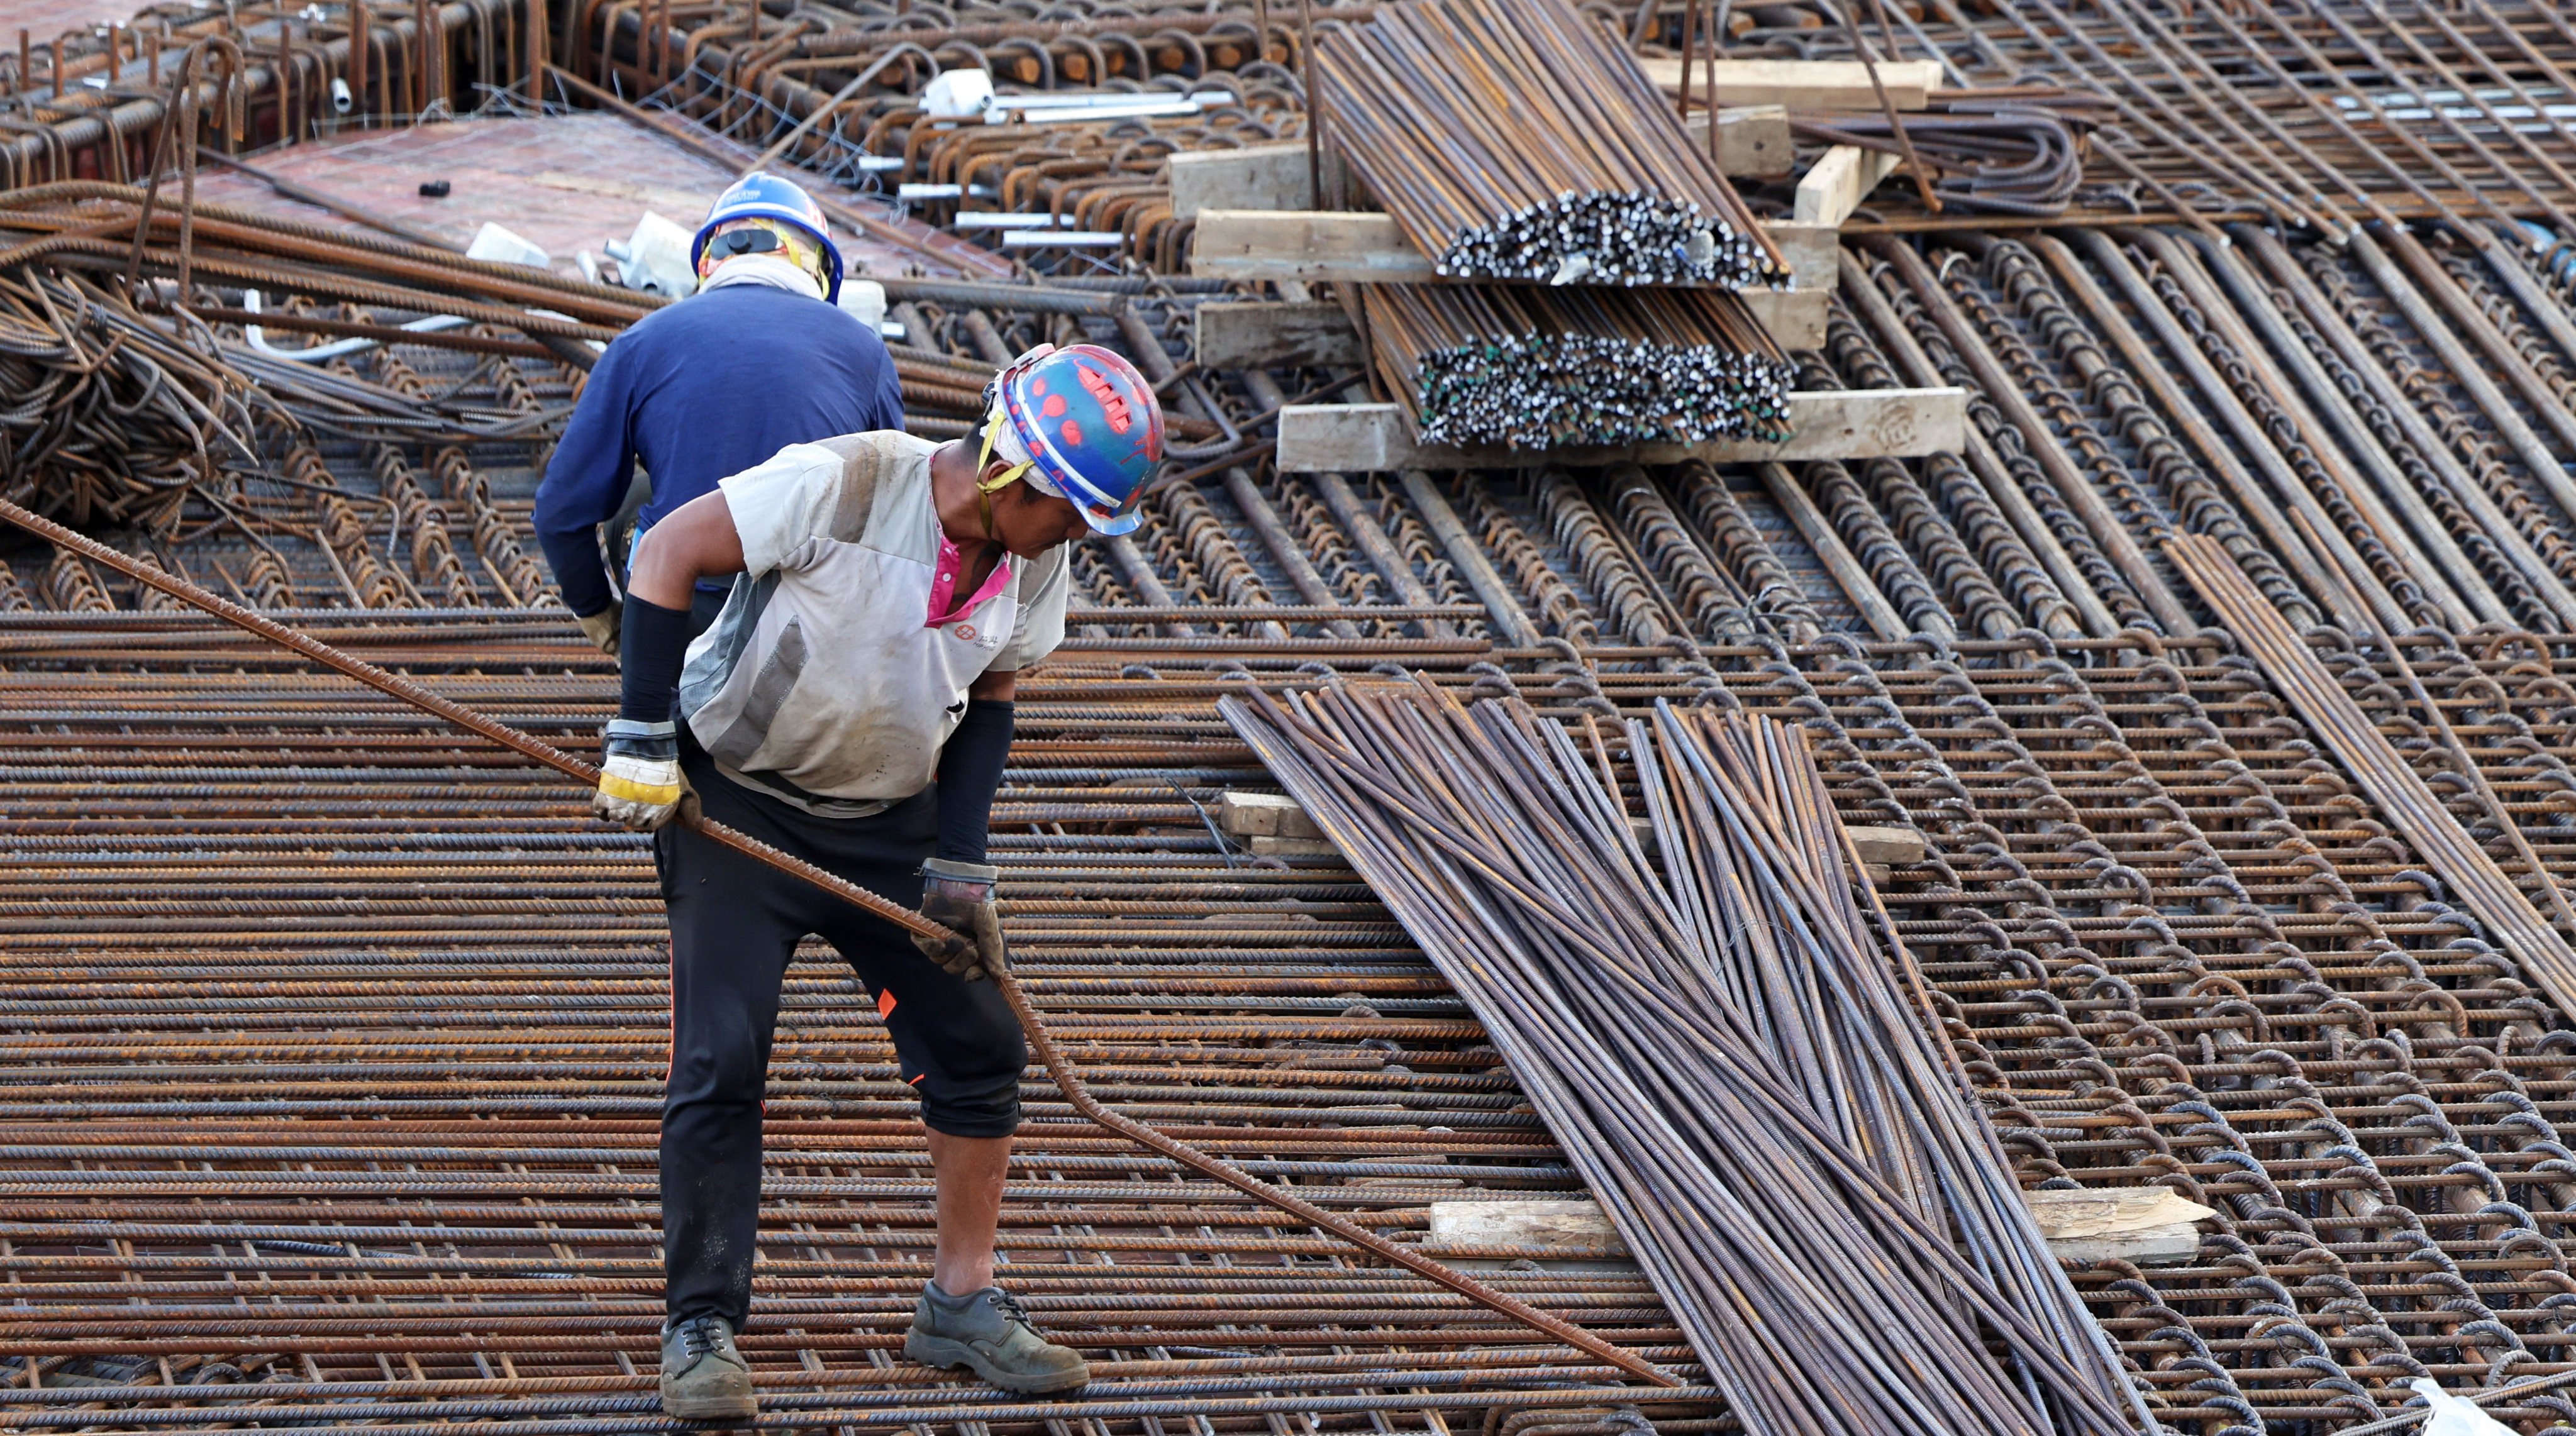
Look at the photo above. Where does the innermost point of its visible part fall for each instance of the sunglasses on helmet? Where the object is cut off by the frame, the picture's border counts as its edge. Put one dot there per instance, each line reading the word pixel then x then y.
pixel 734 242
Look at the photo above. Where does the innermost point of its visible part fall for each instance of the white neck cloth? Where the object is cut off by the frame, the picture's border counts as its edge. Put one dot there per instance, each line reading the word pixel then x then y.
pixel 773 270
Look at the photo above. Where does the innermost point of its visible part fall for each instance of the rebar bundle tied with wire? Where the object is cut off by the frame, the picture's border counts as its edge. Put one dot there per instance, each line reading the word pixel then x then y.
pixel 2015 152
pixel 1512 140
pixel 109 417
pixel 1533 367
pixel 1719 1026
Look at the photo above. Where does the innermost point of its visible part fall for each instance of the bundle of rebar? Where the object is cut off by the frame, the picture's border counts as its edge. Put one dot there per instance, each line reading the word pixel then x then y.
pixel 2448 847
pixel 2002 158
pixel 109 417
pixel 1512 140
pixel 1732 1059
pixel 1537 368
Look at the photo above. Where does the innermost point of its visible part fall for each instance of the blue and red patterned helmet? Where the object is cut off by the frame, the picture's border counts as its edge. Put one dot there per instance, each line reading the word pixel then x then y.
pixel 1080 424
pixel 762 195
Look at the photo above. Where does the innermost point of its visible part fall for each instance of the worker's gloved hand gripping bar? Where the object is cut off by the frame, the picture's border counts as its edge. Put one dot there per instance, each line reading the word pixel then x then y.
pixel 1066 1079
pixel 640 786
pixel 958 886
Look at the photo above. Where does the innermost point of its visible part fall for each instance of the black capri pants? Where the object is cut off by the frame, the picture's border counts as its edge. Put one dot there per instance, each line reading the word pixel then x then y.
pixel 735 924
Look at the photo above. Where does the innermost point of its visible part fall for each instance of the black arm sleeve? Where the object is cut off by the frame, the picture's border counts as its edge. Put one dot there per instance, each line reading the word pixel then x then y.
pixel 655 642
pixel 970 769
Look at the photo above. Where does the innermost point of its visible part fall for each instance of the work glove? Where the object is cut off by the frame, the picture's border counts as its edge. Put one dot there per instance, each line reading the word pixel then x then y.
pixel 959 897
pixel 601 627
pixel 639 774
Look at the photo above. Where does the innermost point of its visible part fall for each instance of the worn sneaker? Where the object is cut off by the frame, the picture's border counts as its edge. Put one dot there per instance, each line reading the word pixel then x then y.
pixel 989 1332
pixel 703 1377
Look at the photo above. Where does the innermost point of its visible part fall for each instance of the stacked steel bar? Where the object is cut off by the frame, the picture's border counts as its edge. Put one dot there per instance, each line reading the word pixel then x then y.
pixel 1720 1041
pixel 1515 141
pixel 1543 367
pixel 2308 115
pixel 389 1098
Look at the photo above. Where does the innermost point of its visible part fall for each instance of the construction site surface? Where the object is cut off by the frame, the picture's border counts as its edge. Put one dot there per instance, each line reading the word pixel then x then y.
pixel 2126 448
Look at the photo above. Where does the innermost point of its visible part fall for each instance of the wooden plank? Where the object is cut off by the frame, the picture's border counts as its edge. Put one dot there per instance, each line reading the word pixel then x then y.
pixel 1834 186
pixel 1266 815
pixel 1899 846
pixel 1353 247
pixel 1813 251
pixel 1564 1229
pixel 1825 424
pixel 1752 140
pixel 1268 176
pixel 1277 336
pixel 2146 1225
pixel 1357 247
pixel 1794 318
pixel 1802 84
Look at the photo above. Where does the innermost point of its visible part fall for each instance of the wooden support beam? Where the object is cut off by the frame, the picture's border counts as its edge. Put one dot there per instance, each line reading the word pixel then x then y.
pixel 1271 176
pixel 1353 247
pixel 1834 186
pixel 1277 336
pixel 1550 1229
pixel 1804 84
pixel 1825 424
pixel 1264 815
pixel 1899 847
pixel 1268 335
pixel 1363 247
pixel 2146 1225
pixel 1752 140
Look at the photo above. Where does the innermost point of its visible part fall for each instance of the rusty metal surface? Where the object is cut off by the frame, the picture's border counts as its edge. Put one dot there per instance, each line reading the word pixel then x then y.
pixel 333 1041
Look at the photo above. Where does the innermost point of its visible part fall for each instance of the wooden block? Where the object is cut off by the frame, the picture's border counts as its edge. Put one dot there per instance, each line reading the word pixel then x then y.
pixel 1293 848
pixel 1569 1228
pixel 1354 247
pixel 1824 424
pixel 1752 140
pixel 2146 1225
pixel 1814 253
pixel 1357 247
pixel 1835 185
pixel 1268 176
pixel 1894 846
pixel 1802 84
pixel 1248 815
pixel 1277 336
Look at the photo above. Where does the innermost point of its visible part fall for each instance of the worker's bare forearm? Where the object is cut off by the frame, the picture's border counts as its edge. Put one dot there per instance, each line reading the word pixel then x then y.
pixel 995 687
pixel 697 541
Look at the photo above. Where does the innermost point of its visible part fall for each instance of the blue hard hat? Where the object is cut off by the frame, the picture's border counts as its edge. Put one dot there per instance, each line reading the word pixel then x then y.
pixel 762 195
pixel 1091 426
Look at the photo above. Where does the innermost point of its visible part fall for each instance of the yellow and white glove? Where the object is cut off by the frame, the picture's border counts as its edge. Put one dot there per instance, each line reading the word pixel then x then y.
pixel 639 774
pixel 601 627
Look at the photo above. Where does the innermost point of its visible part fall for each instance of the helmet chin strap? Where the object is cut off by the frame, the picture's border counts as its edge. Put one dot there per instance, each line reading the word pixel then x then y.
pixel 985 488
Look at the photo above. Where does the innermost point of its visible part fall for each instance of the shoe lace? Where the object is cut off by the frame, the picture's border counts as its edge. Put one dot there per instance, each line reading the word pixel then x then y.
pixel 700 1336
pixel 1012 1310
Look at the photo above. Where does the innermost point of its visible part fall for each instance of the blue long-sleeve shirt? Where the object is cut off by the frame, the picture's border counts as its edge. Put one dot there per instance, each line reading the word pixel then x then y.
pixel 703 389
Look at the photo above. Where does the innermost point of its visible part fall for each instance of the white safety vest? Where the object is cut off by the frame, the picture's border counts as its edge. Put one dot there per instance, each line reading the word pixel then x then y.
pixel 841 662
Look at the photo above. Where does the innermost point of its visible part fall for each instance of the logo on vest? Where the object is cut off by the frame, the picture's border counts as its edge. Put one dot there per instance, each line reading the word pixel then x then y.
pixel 966 633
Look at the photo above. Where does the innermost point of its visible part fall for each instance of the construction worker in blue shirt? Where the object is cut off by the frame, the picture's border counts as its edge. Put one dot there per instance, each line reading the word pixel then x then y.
pixel 759 358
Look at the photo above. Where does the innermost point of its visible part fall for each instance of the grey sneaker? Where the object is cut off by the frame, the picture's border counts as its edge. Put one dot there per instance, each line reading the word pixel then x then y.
pixel 703 1377
pixel 990 1333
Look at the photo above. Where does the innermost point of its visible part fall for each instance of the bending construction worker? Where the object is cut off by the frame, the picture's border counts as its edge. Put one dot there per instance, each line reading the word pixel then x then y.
pixel 759 358
pixel 852 705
